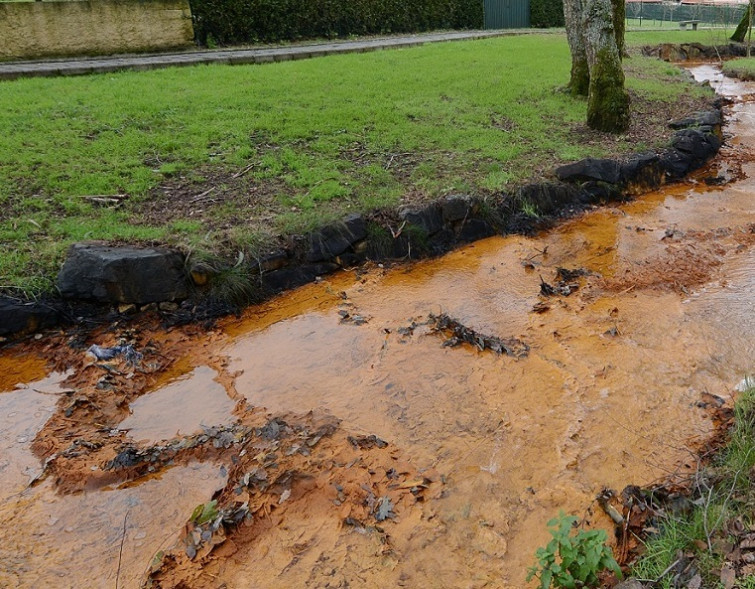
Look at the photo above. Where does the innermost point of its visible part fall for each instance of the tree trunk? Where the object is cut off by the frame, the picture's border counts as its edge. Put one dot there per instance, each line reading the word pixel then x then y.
pixel 608 101
pixel 619 23
pixel 579 84
pixel 744 24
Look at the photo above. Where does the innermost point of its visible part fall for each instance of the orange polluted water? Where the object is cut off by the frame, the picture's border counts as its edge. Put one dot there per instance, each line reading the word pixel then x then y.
pixel 608 396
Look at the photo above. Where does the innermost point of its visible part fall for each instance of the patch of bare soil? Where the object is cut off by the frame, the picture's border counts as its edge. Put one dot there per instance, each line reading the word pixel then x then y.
pixel 220 199
pixel 648 127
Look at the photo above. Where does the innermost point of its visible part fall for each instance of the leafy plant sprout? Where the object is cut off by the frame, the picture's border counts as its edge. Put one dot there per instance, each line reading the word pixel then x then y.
pixel 572 560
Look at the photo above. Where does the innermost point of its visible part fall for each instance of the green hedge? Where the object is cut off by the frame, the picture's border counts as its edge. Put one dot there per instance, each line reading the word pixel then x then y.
pixel 546 13
pixel 228 22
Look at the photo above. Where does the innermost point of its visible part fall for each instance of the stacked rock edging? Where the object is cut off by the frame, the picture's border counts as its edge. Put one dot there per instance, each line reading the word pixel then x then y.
pixel 142 277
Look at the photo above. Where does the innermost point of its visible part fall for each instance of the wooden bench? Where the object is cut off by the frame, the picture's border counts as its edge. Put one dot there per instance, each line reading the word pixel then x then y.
pixel 683 24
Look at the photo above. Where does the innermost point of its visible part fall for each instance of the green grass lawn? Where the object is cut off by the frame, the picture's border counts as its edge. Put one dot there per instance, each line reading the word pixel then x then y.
pixel 280 147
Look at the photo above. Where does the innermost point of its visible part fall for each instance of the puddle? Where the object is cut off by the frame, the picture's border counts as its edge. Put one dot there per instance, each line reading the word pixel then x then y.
pixel 23 412
pixel 181 408
pixel 15 370
pixel 75 540
pixel 607 396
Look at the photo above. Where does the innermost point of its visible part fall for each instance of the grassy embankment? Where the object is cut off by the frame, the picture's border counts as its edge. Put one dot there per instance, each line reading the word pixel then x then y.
pixel 220 158
pixel 743 68
pixel 717 520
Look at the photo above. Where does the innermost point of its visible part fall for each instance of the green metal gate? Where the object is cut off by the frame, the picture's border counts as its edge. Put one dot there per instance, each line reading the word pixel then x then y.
pixel 507 14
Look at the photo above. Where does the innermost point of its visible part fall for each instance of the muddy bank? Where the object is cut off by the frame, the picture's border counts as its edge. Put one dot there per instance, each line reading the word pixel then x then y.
pixel 680 52
pixel 100 283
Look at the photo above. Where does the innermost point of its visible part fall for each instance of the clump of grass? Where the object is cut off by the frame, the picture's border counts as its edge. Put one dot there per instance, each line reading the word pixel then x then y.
pixel 723 492
pixel 235 284
pixel 742 68
pixel 529 208
pixel 379 241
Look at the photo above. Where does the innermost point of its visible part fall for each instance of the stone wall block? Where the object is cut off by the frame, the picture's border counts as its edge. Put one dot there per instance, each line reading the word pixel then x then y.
pixel 288 278
pixel 601 170
pixel 336 238
pixel 20 318
pixel 548 197
pixel 638 168
pixel 456 207
pixel 110 274
pixel 428 218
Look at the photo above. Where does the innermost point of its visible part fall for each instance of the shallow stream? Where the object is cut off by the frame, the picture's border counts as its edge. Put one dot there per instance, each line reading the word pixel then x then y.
pixel 610 394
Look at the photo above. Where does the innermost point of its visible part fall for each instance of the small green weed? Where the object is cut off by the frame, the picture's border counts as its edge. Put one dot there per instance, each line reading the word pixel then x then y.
pixel 529 209
pixel 571 560
pixel 205 512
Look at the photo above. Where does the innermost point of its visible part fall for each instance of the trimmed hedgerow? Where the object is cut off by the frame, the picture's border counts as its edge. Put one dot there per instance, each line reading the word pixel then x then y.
pixel 229 22
pixel 546 13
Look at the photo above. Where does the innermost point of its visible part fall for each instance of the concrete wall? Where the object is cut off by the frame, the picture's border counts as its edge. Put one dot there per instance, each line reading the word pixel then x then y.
pixel 92 27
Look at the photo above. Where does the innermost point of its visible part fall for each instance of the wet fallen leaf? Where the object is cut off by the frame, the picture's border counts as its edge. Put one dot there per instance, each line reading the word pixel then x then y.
pixel 728 577
pixel 412 484
pixel 205 512
pixel 191 552
pixel 541 307
pixel 384 509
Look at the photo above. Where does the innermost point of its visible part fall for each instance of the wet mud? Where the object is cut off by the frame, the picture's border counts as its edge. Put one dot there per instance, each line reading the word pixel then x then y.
pixel 414 426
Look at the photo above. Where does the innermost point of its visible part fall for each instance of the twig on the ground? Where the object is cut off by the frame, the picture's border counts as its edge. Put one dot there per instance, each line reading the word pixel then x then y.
pixel 202 195
pixel 396 234
pixel 109 199
pixel 240 173
pixel 120 552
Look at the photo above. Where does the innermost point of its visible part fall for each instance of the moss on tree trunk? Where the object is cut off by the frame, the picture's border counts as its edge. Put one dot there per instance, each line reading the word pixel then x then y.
pixel 608 101
pixel 579 84
pixel 595 31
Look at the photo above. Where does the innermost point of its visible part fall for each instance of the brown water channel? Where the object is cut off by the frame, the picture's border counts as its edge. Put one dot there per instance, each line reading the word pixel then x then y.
pixel 608 396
